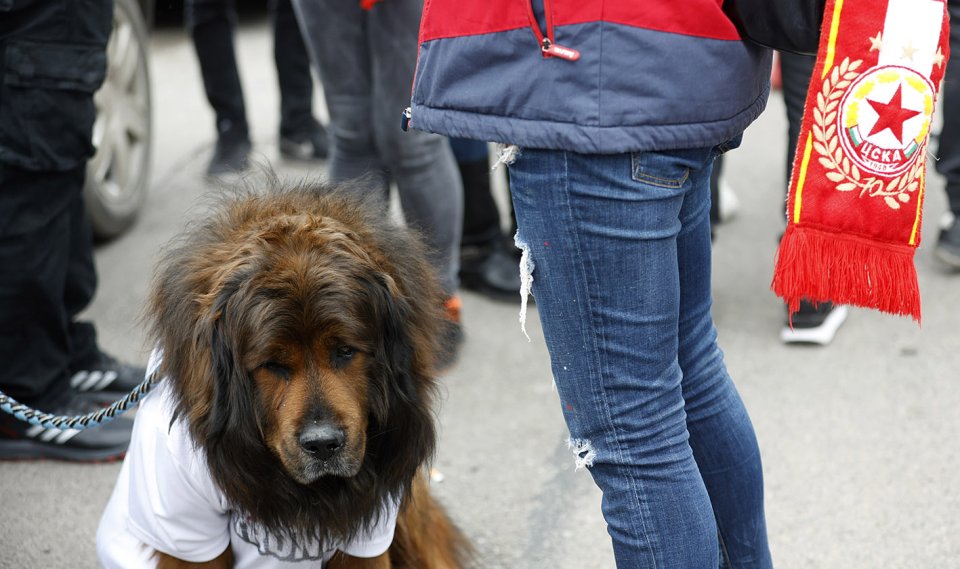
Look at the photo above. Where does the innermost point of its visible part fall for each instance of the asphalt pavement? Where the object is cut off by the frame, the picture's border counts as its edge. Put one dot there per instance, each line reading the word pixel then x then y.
pixel 859 439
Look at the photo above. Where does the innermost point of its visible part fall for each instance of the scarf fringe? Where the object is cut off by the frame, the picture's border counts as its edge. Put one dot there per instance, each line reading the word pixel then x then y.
pixel 821 265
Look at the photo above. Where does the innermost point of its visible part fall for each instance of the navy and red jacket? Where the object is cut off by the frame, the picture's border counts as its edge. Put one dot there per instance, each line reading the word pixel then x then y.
pixel 590 76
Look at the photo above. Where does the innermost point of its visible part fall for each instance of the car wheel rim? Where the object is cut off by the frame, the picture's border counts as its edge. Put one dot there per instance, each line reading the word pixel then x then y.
pixel 122 129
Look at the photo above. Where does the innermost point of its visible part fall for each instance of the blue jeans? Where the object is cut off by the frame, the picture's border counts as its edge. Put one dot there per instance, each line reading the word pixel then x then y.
pixel 621 248
pixel 366 61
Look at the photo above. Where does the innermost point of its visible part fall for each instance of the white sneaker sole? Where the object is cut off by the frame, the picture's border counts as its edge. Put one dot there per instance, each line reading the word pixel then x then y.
pixel 729 202
pixel 822 334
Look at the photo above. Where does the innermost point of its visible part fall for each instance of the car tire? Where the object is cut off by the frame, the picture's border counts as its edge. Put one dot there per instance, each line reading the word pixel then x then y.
pixel 119 172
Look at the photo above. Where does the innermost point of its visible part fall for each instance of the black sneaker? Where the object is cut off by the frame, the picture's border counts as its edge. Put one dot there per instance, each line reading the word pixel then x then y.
pixel 311 146
pixel 948 244
pixel 231 157
pixel 490 271
pixel 814 323
pixel 22 441
pixel 102 373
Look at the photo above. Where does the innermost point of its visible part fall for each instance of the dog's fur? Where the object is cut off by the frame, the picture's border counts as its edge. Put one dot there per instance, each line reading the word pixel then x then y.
pixel 293 309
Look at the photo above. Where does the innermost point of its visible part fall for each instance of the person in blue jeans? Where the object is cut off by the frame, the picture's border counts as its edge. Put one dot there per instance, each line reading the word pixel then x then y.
pixel 615 112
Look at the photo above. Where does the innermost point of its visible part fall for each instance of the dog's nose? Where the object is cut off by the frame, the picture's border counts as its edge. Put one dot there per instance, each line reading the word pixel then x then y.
pixel 322 440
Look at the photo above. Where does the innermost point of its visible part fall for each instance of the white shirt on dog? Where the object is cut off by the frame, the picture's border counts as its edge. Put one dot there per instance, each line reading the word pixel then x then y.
pixel 166 500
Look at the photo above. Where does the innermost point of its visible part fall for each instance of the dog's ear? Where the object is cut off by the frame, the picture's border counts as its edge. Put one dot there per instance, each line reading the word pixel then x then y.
pixel 231 436
pixel 233 415
pixel 390 315
pixel 402 388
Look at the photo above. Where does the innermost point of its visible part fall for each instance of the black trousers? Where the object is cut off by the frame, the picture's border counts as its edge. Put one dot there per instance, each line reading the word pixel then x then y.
pixel 210 24
pixel 795 72
pixel 54 59
pixel 47 277
pixel 949 150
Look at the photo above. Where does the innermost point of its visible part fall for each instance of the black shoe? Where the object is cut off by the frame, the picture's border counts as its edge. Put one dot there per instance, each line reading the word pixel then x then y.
pixel 490 271
pixel 813 323
pixel 231 157
pixel 22 441
pixel 102 373
pixel 948 244
pixel 310 146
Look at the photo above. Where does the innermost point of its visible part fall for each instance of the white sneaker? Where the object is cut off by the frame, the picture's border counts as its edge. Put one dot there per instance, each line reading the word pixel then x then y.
pixel 729 202
pixel 814 325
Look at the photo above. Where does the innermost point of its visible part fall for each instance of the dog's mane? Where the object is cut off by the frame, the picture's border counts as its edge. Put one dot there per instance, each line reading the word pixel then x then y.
pixel 199 288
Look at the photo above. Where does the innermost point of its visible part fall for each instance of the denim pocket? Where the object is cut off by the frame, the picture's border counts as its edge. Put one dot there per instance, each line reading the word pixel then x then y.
pixel 669 169
pixel 660 169
pixel 48 111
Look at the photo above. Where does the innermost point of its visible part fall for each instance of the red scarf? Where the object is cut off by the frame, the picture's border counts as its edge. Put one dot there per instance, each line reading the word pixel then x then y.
pixel 856 193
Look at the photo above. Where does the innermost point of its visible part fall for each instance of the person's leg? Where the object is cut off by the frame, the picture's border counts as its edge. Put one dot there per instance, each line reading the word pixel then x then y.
pixel 602 232
pixel 422 164
pixel 365 92
pixel 301 135
pixel 293 71
pixel 37 299
pixel 721 434
pixel 45 138
pixel 481 218
pixel 487 263
pixel 715 218
pixel 813 323
pixel 47 277
pixel 334 33
pixel 211 23
pixel 91 369
pixel 948 165
pixel 81 283
pixel 795 72
pixel 34 260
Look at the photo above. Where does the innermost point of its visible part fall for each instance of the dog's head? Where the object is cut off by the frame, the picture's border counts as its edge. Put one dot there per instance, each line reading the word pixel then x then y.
pixel 298 329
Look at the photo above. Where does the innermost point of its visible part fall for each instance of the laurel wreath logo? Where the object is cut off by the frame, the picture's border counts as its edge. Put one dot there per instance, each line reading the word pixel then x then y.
pixel 840 170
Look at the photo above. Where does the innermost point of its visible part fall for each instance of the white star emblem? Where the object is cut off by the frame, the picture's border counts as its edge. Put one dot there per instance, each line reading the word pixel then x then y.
pixel 938 59
pixel 909 51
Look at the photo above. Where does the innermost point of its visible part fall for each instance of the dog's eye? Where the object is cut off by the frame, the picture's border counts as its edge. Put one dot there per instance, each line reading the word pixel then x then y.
pixel 344 354
pixel 277 369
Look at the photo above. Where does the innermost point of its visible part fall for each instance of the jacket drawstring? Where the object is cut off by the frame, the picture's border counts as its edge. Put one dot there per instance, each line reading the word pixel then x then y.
pixel 549 48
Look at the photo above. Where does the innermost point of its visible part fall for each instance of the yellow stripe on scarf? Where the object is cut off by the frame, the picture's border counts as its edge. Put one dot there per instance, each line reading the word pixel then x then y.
pixel 916 220
pixel 827 65
pixel 832 45
pixel 801 178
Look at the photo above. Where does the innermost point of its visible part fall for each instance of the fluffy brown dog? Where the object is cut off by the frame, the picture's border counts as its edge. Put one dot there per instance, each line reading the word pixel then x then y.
pixel 297 330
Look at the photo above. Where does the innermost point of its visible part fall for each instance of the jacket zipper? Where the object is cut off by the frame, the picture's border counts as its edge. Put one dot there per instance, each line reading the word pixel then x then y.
pixel 407 113
pixel 548 47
